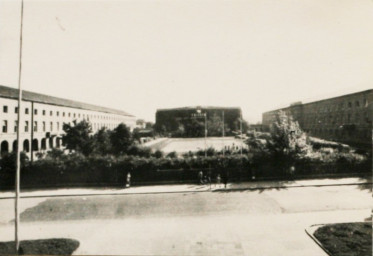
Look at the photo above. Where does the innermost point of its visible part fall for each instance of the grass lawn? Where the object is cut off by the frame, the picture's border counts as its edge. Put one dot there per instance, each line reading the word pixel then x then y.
pixel 346 238
pixel 41 247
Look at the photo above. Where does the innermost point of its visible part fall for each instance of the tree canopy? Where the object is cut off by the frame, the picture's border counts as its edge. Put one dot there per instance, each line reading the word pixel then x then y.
pixel 77 137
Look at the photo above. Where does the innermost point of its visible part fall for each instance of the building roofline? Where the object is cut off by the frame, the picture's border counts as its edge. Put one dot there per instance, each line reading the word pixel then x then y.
pixel 12 93
pixel 318 101
pixel 196 107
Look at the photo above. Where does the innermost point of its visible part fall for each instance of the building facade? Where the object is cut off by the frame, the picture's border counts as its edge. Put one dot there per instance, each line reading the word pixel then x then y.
pixel 42 120
pixel 346 119
pixel 169 121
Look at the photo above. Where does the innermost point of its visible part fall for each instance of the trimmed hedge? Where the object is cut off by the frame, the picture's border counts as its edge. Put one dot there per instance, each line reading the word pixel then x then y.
pixel 78 170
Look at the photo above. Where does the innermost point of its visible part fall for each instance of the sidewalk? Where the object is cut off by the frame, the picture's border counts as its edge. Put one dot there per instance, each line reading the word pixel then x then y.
pixel 187 188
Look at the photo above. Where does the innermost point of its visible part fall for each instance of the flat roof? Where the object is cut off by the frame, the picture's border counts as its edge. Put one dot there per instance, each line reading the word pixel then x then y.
pixel 196 107
pixel 12 93
pixel 318 101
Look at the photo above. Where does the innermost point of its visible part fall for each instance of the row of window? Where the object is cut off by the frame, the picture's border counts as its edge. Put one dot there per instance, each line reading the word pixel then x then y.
pixel 69 114
pixel 26 127
pixel 338 118
pixel 51 127
pixel 339 133
pixel 343 105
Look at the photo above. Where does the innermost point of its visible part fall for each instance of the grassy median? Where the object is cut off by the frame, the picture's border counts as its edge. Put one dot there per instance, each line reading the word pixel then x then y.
pixel 41 247
pixel 346 238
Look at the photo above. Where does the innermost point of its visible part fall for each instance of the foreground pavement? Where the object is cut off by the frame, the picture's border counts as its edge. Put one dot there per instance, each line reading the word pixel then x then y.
pixel 253 185
pixel 261 222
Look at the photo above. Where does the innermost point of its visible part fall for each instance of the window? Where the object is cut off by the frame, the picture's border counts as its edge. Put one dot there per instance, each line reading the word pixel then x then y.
pixel 69 114
pixel 35 126
pixel 26 111
pixel 365 103
pixel 35 111
pixel 43 126
pixel 58 113
pixel 5 126
pixel 74 114
pixel 51 126
pixel 26 126
pixel 63 114
pixel 51 113
pixel 357 103
pixel 350 105
pixel 15 126
pixel 357 118
pixel 5 109
pixel 44 112
pixel 58 126
pixel 16 110
pixel 78 115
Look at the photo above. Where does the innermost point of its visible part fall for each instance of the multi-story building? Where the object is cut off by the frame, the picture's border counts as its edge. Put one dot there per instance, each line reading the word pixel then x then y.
pixel 168 121
pixel 43 116
pixel 346 118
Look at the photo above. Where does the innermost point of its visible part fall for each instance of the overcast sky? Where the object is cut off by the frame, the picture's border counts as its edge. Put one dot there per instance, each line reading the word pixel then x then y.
pixel 138 55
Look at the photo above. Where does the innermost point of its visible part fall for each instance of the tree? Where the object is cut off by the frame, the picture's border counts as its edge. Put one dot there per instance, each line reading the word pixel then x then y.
pixel 193 128
pixel 287 138
pixel 102 142
pixel 121 139
pixel 285 144
pixel 77 137
pixel 149 125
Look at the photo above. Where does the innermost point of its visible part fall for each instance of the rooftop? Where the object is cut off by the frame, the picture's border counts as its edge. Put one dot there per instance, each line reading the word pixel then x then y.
pixel 196 107
pixel 299 103
pixel 12 93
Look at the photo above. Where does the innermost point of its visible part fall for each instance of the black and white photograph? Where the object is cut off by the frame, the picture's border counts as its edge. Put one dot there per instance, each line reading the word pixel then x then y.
pixel 186 127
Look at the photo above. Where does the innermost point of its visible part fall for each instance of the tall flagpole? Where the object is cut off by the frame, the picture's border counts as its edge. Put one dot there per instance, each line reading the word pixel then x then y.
pixel 18 163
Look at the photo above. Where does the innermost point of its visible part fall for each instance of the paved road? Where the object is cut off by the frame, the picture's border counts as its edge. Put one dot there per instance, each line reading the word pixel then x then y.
pixel 262 222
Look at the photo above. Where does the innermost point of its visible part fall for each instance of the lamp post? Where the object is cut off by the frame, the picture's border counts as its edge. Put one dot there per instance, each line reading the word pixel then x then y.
pixel 223 132
pixel 241 131
pixel 200 114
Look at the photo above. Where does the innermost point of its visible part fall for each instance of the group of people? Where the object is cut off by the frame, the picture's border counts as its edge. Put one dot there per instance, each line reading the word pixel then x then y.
pixel 206 179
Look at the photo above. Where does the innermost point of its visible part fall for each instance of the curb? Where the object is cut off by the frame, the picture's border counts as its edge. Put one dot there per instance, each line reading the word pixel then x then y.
pixel 310 230
pixel 295 186
pixel 184 191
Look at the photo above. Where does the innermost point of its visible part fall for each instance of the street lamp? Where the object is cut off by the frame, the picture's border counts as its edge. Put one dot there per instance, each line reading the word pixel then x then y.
pixel 200 114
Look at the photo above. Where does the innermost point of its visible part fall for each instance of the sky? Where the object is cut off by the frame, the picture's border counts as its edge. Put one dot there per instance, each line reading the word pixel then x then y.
pixel 141 55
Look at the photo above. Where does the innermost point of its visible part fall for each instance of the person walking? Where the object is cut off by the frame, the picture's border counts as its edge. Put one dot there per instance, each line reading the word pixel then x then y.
pixel 225 178
pixel 200 177
pixel 128 180
pixel 218 180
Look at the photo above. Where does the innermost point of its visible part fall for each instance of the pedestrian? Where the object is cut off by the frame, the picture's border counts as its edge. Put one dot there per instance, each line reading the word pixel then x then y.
pixel 128 180
pixel 225 178
pixel 200 177
pixel 218 180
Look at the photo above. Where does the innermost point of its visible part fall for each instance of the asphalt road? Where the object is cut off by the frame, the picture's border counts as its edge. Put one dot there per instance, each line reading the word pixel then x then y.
pixel 266 222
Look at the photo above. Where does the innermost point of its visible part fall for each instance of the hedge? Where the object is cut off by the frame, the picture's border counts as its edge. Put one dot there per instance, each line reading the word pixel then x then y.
pixel 78 170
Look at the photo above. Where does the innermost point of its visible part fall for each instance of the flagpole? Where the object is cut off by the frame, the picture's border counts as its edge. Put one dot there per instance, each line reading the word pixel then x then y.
pixel 18 161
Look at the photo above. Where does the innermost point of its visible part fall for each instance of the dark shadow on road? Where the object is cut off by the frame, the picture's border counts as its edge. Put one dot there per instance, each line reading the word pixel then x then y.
pixel 55 246
pixel 145 205
pixel 368 186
